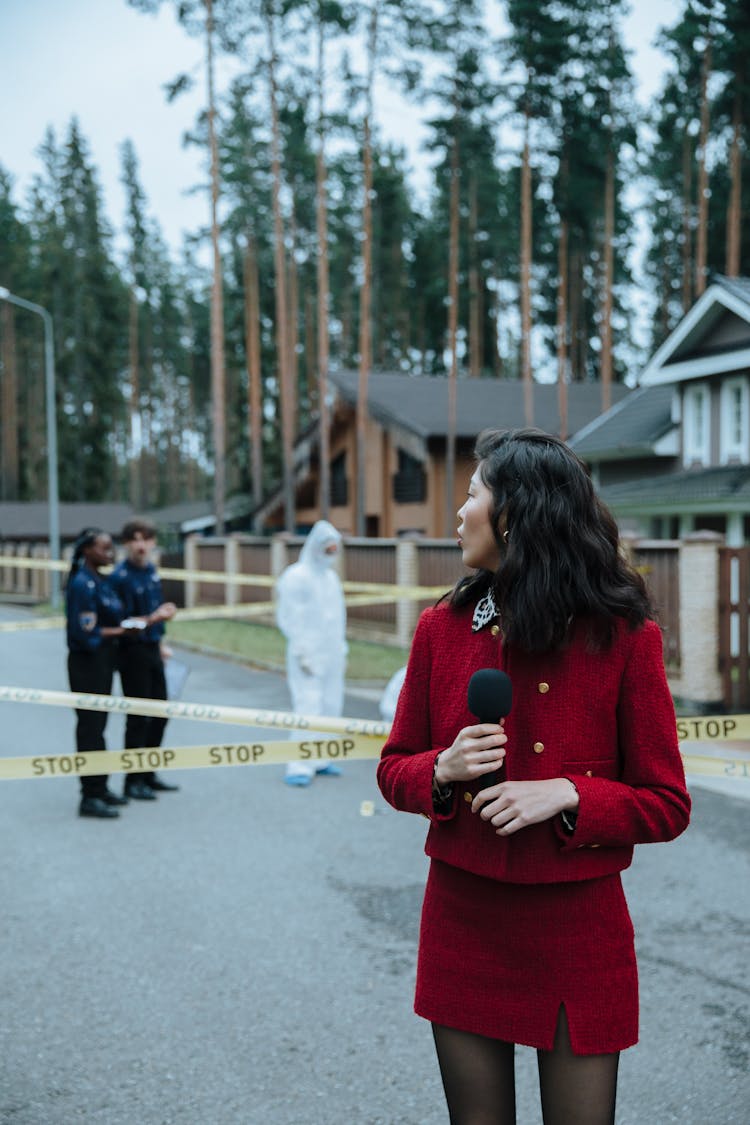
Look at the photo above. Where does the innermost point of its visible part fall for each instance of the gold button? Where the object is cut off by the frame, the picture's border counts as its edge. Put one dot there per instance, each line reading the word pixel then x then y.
pixel 495 630
pixel 589 773
pixel 538 747
pixel 594 845
pixel 468 797
pixel 543 688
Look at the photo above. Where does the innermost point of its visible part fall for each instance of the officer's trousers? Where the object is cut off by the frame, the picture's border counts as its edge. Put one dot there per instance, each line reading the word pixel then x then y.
pixel 92 672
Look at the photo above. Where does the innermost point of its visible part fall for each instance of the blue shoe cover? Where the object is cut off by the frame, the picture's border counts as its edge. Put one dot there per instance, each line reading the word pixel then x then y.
pixel 330 770
pixel 301 780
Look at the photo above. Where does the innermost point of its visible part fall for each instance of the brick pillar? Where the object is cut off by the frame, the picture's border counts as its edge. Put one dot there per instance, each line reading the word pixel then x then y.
pixel 700 682
pixel 407 574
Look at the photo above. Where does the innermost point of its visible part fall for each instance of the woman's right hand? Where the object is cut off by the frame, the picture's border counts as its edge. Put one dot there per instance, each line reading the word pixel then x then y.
pixel 476 751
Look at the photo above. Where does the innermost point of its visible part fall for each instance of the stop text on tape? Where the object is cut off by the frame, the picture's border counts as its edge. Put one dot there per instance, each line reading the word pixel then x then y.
pixel 255 753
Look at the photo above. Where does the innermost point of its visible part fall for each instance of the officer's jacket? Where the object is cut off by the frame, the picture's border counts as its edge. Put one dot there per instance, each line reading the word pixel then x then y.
pixel 139 590
pixel 605 720
pixel 90 603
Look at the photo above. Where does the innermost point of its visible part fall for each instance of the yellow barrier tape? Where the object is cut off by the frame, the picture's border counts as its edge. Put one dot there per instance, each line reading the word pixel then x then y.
pixel 708 766
pixel 199 613
pixel 203 712
pixel 345 748
pixel 220 577
pixel 713 728
pixel 363 737
pixel 36 623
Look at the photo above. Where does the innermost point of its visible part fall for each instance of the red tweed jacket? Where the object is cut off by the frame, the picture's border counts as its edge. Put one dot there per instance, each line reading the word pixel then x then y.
pixel 603 719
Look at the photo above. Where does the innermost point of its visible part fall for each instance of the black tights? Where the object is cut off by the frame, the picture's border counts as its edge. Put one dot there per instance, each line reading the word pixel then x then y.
pixel 479 1080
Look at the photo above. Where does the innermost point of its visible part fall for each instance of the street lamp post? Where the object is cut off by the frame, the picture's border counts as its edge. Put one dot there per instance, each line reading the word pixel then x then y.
pixel 52 485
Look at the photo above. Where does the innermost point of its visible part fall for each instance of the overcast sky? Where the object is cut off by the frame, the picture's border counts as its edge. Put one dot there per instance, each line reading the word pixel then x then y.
pixel 106 63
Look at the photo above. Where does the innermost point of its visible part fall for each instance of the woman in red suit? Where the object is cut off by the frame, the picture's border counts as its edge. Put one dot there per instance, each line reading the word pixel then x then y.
pixel 525 934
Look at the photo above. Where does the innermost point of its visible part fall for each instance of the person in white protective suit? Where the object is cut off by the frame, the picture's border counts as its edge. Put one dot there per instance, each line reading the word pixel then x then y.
pixel 311 614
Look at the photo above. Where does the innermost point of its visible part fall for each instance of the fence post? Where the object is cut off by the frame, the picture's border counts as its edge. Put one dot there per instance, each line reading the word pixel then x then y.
pixel 407 574
pixel 231 567
pixel 700 680
pixel 191 563
pixel 278 555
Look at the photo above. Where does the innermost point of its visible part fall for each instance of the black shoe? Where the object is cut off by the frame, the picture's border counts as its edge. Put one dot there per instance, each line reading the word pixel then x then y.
pixel 139 791
pixel 96 806
pixel 112 799
pixel 160 786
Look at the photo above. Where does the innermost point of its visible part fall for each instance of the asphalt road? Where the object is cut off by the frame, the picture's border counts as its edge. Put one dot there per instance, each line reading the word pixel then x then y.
pixel 242 953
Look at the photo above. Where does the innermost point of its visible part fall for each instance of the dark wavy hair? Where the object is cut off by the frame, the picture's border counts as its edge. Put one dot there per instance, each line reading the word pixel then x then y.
pixel 559 546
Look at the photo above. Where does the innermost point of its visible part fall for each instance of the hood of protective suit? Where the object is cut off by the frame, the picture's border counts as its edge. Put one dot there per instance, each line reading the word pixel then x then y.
pixel 313 553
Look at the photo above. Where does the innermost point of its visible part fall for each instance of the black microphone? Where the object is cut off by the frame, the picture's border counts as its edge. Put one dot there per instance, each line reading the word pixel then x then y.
pixel 490 697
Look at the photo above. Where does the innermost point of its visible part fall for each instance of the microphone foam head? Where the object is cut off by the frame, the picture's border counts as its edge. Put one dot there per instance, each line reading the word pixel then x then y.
pixel 490 695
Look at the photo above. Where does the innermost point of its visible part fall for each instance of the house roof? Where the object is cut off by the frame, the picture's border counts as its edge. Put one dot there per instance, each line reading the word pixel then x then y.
pixel 30 520
pixel 631 428
pixel 722 489
pixel 419 403
pixel 712 338
pixel 737 286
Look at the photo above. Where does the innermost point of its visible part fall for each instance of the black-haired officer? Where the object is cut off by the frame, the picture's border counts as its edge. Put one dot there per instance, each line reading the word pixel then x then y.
pixel 94 613
pixel 141 663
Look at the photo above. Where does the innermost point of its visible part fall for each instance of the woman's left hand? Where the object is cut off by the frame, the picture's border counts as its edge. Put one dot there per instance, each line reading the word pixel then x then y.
pixel 512 805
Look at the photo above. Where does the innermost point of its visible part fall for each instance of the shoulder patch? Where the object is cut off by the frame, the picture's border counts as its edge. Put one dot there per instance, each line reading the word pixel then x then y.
pixel 87 621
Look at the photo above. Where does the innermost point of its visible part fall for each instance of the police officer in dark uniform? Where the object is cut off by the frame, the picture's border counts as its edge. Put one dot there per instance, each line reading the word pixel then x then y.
pixel 141 665
pixel 93 613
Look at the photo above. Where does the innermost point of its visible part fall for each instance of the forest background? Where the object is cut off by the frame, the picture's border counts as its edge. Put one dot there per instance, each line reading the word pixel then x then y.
pixel 182 375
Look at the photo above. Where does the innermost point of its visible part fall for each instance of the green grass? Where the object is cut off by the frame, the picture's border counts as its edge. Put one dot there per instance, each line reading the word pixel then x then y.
pixel 265 645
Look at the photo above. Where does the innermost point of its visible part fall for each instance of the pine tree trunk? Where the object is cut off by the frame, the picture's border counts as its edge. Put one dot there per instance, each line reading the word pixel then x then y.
pixel 293 321
pixel 734 210
pixel 526 372
pixel 365 299
pixel 498 364
pixel 562 327
pixel 687 223
pixel 475 322
pixel 450 442
pixel 309 382
pixel 608 254
pixel 252 357
pixel 134 444
pixel 218 392
pixel 321 203
pixel 701 250
pixel 574 302
pixel 286 388
pixel 9 475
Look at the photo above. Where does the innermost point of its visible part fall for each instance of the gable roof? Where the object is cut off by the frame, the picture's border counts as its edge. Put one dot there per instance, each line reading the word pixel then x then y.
pixel 419 403
pixel 631 428
pixel 30 520
pixel 685 355
pixel 721 490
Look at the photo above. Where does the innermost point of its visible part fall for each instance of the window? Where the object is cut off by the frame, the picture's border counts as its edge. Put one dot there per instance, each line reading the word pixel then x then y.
pixel 697 425
pixel 734 421
pixel 339 486
pixel 410 482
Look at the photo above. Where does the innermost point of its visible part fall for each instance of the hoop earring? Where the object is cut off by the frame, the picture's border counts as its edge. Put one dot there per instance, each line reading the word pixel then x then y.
pixel 505 535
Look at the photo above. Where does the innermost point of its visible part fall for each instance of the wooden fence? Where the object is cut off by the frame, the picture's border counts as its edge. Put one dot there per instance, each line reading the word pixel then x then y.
pixel 433 563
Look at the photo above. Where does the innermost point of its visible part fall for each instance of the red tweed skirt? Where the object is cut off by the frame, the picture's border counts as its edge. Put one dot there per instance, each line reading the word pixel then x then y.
pixel 498 959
